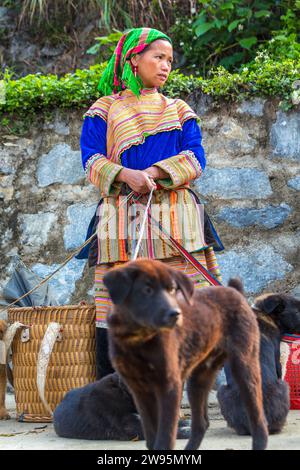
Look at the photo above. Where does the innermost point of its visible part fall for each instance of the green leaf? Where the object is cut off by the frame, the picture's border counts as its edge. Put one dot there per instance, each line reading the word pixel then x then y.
pixel 280 37
pixel 203 28
pixel 262 13
pixel 244 12
pixel 201 19
pixel 231 60
pixel 233 25
pixel 247 43
pixel 94 49
pixel 209 37
pixel 227 6
pixel 220 23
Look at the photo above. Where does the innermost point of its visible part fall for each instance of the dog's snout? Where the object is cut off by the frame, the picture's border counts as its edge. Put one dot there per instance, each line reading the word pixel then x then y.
pixel 173 313
pixel 171 317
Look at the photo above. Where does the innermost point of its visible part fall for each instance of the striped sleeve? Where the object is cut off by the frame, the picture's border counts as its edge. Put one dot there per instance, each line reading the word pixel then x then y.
pixel 100 107
pixel 99 170
pixel 190 161
pixel 185 112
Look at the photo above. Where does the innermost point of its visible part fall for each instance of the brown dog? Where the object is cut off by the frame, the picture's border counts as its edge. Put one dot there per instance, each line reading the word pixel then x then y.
pixel 3 377
pixel 158 339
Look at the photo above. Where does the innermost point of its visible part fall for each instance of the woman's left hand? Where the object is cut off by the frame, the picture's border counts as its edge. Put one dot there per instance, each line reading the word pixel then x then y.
pixel 151 180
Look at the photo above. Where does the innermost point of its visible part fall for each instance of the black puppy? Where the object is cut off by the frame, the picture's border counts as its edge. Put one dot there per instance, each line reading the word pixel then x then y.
pixel 102 410
pixel 276 314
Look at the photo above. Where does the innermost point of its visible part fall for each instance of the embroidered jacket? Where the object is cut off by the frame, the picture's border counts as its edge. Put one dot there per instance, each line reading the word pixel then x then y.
pixel 125 131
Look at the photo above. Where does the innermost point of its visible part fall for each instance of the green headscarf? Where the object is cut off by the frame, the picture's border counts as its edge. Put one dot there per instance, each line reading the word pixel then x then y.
pixel 118 73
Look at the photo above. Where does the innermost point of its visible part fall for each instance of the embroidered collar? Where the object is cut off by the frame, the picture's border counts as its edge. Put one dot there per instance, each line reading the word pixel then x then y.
pixel 131 119
pixel 148 91
pixel 144 91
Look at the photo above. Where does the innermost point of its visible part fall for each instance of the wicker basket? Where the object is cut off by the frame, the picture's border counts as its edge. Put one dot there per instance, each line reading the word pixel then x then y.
pixel 72 361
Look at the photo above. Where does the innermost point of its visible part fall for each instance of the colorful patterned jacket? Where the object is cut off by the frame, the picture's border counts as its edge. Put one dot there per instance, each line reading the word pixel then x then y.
pixel 125 131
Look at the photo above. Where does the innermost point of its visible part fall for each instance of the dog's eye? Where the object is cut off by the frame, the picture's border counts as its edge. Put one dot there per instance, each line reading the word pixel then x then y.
pixel 147 290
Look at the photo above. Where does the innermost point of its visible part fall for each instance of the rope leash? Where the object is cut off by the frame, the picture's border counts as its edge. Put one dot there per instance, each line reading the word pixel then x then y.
pixel 47 278
pixel 143 226
pixel 189 258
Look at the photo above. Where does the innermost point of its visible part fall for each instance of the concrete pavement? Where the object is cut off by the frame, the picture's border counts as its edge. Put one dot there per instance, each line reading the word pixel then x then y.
pixel 21 436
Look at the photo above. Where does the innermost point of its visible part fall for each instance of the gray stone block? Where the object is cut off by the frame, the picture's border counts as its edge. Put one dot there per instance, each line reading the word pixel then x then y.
pixel 52 51
pixel 21 49
pixel 63 282
pixel 79 216
pixel 256 265
pixel 294 183
pixel 235 140
pixel 285 136
pixel 58 125
pixel 296 292
pixel 253 107
pixel 234 183
pixel 35 228
pixel 60 165
pixel 268 216
pixel 200 104
pixel 3 16
pixel 8 163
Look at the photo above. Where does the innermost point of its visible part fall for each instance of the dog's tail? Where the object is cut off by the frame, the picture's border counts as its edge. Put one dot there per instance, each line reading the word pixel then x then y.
pixel 237 284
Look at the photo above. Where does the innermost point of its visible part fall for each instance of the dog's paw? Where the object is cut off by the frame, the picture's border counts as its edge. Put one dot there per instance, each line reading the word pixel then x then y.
pixel 4 414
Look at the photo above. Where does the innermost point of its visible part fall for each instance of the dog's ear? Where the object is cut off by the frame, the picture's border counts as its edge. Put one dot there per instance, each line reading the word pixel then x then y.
pixel 270 304
pixel 237 284
pixel 118 283
pixel 184 284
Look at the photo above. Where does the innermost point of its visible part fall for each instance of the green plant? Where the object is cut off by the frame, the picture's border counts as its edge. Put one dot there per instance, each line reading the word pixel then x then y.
pixel 263 76
pixel 291 18
pixel 282 46
pixel 8 3
pixel 112 15
pixel 119 14
pixel 105 45
pixel 39 10
pixel 35 92
pixel 124 14
pixel 179 84
pixel 228 33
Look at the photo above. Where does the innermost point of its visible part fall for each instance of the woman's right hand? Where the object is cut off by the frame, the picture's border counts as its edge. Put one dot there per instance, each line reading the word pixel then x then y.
pixel 139 181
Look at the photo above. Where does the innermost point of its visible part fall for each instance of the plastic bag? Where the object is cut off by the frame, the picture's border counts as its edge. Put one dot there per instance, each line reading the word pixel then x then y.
pixel 23 280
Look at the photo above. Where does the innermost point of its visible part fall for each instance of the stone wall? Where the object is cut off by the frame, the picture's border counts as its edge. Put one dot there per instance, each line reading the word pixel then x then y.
pixel 250 187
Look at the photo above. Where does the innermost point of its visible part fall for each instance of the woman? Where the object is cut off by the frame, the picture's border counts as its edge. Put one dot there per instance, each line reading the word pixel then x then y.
pixel 136 139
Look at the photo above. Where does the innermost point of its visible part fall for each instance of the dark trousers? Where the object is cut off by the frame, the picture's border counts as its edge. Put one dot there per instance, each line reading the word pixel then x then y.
pixel 103 364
